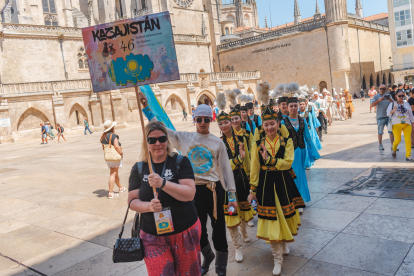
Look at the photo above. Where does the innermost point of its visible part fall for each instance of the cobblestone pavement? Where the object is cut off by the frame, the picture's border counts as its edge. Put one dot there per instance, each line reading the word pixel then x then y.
pixel 56 219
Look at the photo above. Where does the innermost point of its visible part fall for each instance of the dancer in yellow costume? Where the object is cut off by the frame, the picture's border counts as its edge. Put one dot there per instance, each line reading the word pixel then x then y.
pixel 274 189
pixel 237 149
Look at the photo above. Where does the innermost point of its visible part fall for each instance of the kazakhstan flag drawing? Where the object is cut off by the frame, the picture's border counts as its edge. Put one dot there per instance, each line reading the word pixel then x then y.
pixel 135 68
pixel 156 106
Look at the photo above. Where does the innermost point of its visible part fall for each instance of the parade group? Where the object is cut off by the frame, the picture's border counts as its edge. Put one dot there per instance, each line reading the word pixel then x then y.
pixel 259 165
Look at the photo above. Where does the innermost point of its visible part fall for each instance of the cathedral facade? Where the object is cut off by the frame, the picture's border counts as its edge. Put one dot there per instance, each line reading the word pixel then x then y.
pixel 332 50
pixel 44 72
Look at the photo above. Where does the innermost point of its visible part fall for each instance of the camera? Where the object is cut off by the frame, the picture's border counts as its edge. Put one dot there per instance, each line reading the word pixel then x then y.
pixel 387 96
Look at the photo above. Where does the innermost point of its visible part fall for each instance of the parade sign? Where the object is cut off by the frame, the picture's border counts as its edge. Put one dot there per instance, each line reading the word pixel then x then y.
pixel 131 52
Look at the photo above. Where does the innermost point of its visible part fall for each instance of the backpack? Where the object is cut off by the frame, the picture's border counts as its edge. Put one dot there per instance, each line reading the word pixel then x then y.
pixel 61 129
pixel 140 166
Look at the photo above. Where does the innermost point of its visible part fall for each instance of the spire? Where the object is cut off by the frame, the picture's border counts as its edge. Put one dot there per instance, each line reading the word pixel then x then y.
pixel 297 13
pixel 266 26
pixel 317 14
pixel 358 8
pixel 317 8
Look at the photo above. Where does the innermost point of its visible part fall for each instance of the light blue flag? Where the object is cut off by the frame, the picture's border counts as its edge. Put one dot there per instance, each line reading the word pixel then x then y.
pixel 156 106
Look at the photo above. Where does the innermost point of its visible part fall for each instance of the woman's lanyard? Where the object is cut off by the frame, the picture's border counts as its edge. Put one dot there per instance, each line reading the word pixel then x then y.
pixel 163 170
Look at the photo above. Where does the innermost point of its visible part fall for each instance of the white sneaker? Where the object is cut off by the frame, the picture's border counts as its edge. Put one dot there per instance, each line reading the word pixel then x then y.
pixel 381 147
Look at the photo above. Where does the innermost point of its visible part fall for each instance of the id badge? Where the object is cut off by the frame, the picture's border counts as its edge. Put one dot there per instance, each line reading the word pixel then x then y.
pixel 163 221
pixel 402 122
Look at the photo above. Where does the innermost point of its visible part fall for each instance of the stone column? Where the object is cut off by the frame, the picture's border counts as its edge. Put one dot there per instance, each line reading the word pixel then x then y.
pixel 96 113
pixel 6 135
pixel 59 110
pixel 117 110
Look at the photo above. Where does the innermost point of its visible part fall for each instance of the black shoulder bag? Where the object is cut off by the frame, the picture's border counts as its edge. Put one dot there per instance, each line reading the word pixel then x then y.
pixel 128 250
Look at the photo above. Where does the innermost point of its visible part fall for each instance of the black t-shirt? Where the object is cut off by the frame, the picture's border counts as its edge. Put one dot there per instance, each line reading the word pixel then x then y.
pixel 105 140
pixel 184 214
pixel 411 102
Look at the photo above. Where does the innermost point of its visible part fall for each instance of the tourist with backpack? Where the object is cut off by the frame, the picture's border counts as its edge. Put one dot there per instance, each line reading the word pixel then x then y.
pixel 60 130
pixel 169 222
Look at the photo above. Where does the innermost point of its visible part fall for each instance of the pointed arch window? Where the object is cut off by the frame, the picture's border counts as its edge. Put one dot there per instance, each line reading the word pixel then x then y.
pixel 82 58
pixel 49 12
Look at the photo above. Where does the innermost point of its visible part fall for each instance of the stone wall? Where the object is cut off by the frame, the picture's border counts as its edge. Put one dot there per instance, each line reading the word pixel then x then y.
pixel 373 54
pixel 300 58
pixel 70 102
pixel 28 59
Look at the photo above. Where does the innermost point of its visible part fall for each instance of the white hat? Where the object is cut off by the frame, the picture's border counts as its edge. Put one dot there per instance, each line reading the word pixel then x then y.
pixel 320 95
pixel 315 93
pixel 203 110
pixel 108 125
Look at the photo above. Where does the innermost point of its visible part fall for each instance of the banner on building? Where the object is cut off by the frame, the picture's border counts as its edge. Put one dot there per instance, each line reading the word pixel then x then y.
pixel 130 52
pixel 5 122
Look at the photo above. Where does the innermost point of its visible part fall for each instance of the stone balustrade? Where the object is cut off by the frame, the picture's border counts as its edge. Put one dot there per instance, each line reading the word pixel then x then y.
pixel 39 29
pixel 141 12
pixel 190 38
pixel 51 87
pixel 367 24
pixel 303 27
pixel 45 87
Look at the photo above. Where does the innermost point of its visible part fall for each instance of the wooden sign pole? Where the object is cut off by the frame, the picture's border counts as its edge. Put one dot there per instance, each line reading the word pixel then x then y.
pixel 144 136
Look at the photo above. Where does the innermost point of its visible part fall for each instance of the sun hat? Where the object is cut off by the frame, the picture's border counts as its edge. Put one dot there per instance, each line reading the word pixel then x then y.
pixel 108 125
pixel 203 110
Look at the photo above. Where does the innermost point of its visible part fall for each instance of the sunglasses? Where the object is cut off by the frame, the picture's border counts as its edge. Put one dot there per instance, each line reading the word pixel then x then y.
pixel 400 96
pixel 383 89
pixel 153 140
pixel 206 120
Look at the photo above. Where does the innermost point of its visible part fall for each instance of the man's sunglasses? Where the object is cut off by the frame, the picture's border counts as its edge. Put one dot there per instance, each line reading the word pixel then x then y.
pixel 153 140
pixel 383 89
pixel 400 96
pixel 206 120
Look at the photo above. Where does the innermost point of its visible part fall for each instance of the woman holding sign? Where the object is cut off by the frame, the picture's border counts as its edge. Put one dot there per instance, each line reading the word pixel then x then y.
pixel 170 228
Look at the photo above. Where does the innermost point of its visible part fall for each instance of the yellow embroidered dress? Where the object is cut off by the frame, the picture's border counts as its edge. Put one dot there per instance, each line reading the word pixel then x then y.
pixel 241 172
pixel 277 196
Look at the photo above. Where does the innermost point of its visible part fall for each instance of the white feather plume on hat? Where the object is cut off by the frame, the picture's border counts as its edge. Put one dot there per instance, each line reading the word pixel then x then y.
pixel 232 95
pixel 221 101
pixel 291 88
pixel 245 97
pixel 263 90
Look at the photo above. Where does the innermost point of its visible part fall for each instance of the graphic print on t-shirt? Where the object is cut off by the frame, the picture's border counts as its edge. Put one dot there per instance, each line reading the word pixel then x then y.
pixel 201 158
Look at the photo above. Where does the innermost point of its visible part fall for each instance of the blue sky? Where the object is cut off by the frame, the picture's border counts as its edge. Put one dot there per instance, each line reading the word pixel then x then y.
pixel 282 10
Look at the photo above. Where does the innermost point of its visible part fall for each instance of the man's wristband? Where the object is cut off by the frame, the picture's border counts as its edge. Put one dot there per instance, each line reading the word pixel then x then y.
pixel 163 184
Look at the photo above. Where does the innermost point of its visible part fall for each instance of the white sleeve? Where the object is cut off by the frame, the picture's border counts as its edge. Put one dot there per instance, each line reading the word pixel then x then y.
pixel 225 171
pixel 410 112
pixel 389 109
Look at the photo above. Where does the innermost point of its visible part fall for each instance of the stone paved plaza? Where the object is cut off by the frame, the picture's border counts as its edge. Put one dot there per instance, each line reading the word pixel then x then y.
pixel 56 219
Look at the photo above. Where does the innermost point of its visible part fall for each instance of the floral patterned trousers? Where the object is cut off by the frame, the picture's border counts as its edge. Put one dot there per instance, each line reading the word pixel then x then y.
pixel 174 255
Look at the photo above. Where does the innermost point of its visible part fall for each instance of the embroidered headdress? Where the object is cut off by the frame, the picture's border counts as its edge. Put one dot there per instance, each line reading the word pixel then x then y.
pixel 223 116
pixel 292 100
pixel 235 111
pixel 269 114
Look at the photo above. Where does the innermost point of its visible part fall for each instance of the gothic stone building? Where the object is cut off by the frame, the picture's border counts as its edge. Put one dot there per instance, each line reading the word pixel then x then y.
pixel 333 50
pixel 44 74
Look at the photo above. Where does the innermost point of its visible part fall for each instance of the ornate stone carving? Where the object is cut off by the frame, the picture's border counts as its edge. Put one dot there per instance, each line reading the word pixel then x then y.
pixel 50 17
pixel 184 3
pixel 204 82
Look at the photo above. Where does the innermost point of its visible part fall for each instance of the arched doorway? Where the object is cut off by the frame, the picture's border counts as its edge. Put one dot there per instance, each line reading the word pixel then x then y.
pixel 363 84
pixel 31 119
pixel 371 81
pixel 174 104
pixel 77 115
pixel 378 80
pixel 323 85
pixel 384 79
pixel 206 97
pixel 389 78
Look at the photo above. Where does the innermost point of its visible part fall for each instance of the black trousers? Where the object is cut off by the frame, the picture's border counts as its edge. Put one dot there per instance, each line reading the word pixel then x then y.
pixel 204 204
pixel 323 121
